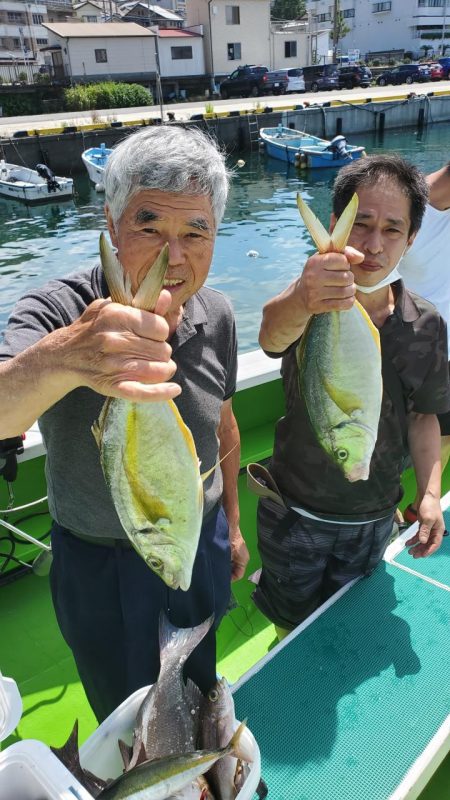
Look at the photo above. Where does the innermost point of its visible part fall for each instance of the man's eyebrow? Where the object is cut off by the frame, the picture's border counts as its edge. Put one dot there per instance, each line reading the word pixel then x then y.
pixel 391 220
pixel 145 215
pixel 199 223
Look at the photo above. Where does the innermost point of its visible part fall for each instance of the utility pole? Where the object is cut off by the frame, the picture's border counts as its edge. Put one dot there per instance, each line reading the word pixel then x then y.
pixel 155 30
pixel 444 14
pixel 335 29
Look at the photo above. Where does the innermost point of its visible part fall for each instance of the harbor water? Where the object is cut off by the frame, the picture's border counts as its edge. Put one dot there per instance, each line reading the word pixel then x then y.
pixel 261 245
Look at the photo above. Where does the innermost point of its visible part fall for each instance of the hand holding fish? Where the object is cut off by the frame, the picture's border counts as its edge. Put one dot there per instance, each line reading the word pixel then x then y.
pixel 120 351
pixel 327 282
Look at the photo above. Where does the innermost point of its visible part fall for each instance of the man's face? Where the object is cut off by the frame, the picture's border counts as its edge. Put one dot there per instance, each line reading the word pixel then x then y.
pixel 380 230
pixel 151 219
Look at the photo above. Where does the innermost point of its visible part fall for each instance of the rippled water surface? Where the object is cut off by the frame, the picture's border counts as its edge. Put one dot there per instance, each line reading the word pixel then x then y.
pixel 261 243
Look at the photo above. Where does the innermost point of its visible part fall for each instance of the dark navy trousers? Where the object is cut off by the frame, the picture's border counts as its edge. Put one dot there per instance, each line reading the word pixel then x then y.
pixel 107 603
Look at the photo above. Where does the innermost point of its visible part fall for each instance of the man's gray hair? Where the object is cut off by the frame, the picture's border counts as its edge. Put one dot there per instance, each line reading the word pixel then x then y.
pixel 168 158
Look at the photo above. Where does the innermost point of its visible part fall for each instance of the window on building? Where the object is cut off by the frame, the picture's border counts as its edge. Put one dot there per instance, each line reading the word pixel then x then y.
pixel 101 56
pixel 181 52
pixel 41 41
pixel 38 19
pixel 16 44
pixel 89 18
pixel 377 7
pixel 290 49
pixel 234 51
pixel 232 15
pixel 14 16
pixel 323 17
pixel 431 3
pixel 348 12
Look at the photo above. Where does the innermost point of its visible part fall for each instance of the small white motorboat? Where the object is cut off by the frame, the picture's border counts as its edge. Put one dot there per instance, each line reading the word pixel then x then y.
pixel 38 185
pixel 94 159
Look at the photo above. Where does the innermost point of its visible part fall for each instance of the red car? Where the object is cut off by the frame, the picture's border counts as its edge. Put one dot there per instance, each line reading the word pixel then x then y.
pixel 436 71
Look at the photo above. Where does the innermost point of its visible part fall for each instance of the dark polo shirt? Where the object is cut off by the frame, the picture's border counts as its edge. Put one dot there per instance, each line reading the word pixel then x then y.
pixel 205 352
pixel 415 378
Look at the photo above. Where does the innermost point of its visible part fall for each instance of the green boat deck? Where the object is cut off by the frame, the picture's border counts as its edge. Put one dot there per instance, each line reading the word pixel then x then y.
pixel 379 649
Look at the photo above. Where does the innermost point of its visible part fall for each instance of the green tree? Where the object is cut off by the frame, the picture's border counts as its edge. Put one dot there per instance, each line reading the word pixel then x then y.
pixel 288 9
pixel 340 29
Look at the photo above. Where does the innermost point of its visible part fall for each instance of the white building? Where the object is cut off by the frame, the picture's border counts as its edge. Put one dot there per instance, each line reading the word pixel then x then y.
pixel 85 51
pixel 181 53
pixel 21 27
pixel 89 11
pixel 388 25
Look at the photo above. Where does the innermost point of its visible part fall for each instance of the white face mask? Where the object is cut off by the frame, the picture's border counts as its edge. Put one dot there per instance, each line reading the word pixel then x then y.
pixel 393 276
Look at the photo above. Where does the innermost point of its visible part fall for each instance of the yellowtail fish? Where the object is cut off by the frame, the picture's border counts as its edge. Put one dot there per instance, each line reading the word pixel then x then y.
pixel 339 366
pixel 164 777
pixel 148 455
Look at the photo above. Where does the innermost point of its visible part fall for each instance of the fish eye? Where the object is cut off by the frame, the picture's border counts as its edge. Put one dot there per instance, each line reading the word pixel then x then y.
pixel 213 695
pixel 155 563
pixel 342 454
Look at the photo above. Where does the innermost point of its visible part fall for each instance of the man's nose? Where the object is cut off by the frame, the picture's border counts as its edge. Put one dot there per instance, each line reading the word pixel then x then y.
pixel 176 252
pixel 374 242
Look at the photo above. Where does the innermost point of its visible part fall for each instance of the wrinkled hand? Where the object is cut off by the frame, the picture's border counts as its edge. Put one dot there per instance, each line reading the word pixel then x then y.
pixel 327 282
pixel 239 554
pixel 120 351
pixel 431 528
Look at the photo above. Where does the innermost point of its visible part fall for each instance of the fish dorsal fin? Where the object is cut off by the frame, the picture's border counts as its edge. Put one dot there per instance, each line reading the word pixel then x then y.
pixel 372 328
pixel 119 289
pixel 68 753
pixel 142 755
pixel 149 290
pixel 337 241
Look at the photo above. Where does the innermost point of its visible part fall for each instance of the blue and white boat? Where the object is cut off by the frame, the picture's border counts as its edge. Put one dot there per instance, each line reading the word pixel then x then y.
pixel 95 160
pixel 303 150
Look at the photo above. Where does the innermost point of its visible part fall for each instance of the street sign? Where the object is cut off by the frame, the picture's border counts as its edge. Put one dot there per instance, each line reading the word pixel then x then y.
pixel 354 55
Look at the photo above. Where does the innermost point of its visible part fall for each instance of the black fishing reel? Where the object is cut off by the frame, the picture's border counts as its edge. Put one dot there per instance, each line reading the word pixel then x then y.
pixel 9 450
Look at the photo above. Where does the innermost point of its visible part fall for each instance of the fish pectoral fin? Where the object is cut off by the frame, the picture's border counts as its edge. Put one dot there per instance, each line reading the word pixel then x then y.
pixel 119 290
pixel 347 402
pixel 205 475
pixel 126 752
pixel 149 290
pixel 320 236
pixel 344 224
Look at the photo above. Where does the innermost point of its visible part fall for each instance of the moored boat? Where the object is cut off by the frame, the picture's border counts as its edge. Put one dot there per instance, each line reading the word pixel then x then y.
pixel 304 150
pixel 95 159
pixel 37 185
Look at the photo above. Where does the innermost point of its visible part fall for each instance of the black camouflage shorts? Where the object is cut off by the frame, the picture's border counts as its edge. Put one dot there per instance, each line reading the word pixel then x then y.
pixel 305 561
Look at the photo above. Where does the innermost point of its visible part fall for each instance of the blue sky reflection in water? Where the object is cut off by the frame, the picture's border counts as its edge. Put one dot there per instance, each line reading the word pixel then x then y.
pixel 42 242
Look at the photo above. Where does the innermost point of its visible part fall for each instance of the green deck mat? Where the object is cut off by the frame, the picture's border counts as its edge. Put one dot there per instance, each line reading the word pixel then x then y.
pixel 345 708
pixel 436 567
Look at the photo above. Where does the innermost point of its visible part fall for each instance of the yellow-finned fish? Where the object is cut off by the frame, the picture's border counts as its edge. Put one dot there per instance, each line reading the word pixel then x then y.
pixel 148 455
pixel 339 366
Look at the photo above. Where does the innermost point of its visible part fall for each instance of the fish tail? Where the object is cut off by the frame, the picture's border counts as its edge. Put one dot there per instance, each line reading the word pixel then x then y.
pixel 238 748
pixel 180 642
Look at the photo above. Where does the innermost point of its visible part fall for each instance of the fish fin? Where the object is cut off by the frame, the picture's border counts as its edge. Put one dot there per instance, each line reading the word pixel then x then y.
pixel 344 225
pixel 236 747
pixel 113 272
pixel 262 790
pixel 97 427
pixel 187 435
pixel 180 642
pixel 205 475
pixel 318 233
pixel 126 752
pixel 373 329
pixel 142 755
pixel 68 753
pixel 346 402
pixel 149 290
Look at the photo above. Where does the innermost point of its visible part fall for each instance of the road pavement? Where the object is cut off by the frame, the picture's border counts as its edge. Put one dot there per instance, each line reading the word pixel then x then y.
pixel 183 111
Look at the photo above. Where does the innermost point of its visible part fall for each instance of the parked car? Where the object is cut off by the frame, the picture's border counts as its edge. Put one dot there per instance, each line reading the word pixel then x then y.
pixel 354 75
pixel 445 64
pixel 404 73
pixel 283 81
pixel 321 76
pixel 436 71
pixel 247 80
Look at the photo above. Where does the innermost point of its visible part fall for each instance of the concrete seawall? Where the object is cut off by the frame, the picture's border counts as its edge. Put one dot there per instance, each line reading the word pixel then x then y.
pixel 62 150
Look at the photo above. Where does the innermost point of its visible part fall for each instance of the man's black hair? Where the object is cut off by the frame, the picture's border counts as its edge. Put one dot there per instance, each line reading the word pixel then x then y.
pixel 368 170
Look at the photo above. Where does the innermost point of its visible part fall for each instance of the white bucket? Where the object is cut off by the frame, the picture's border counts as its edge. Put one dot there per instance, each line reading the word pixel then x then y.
pixel 100 753
pixel 10 706
pixel 30 771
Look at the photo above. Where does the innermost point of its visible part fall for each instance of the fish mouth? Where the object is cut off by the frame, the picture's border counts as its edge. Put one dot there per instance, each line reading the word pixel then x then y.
pixel 359 473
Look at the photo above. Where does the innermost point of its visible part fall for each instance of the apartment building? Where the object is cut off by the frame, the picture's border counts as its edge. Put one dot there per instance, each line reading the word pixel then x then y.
pixel 387 25
pixel 21 27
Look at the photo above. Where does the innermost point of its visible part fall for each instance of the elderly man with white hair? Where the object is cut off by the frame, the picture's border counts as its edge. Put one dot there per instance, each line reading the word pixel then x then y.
pixel 67 346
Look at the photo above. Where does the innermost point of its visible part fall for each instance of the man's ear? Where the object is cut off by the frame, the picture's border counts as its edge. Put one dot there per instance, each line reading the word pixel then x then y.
pixel 111 227
pixel 333 221
pixel 410 241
